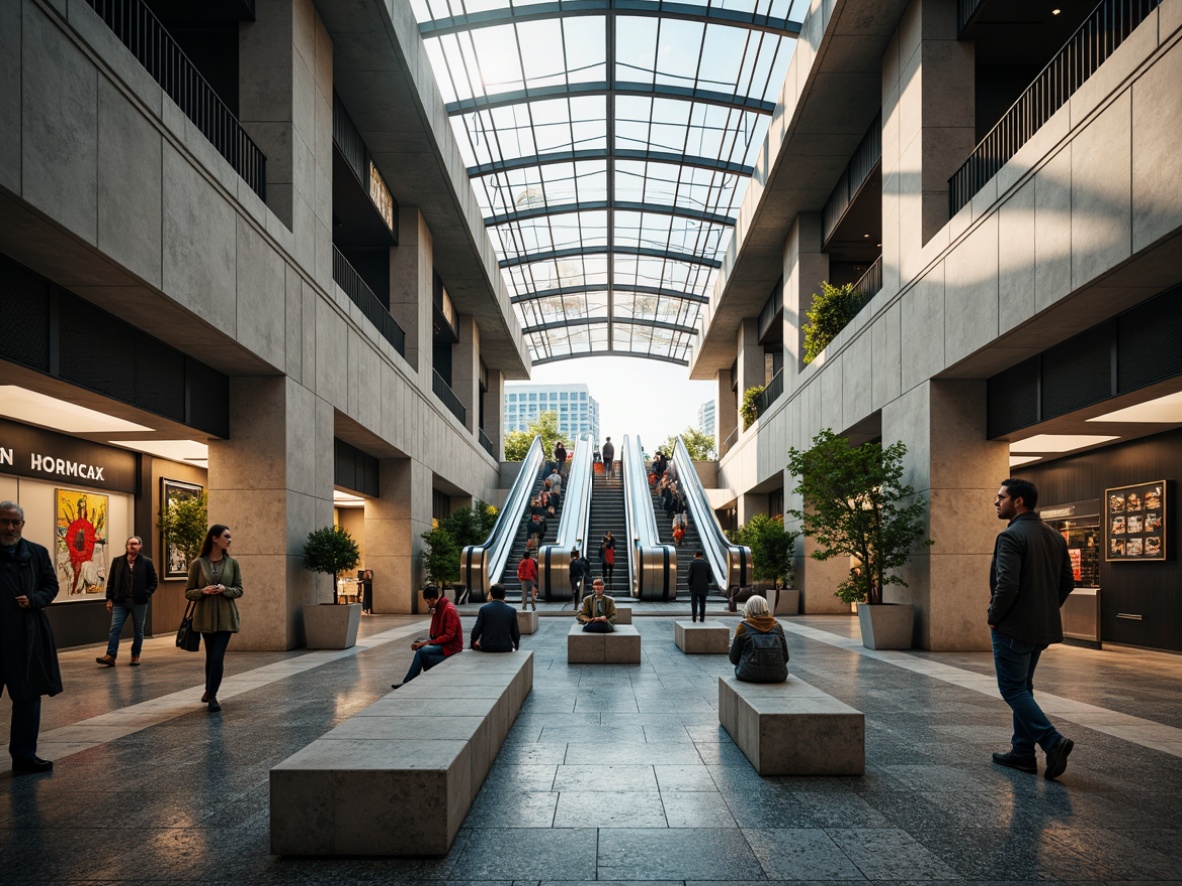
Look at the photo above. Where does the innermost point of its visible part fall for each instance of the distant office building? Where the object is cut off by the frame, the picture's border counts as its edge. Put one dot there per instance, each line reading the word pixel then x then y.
pixel 706 418
pixel 578 411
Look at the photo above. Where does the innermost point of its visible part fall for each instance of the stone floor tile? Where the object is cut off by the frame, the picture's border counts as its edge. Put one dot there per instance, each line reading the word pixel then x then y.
pixel 697 809
pixel 524 854
pixel 800 854
pixel 511 807
pixel 890 854
pixel 689 854
pixel 604 777
pixel 614 809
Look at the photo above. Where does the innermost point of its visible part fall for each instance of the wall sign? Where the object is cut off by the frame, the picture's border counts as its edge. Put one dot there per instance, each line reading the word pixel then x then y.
pixel 1135 522
pixel 44 455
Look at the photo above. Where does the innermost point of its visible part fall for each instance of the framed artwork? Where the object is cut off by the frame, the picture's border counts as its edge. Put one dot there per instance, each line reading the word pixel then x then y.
pixel 81 534
pixel 172 492
pixel 1135 521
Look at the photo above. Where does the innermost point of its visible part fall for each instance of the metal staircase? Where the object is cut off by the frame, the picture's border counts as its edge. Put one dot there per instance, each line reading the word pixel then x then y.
pixel 607 514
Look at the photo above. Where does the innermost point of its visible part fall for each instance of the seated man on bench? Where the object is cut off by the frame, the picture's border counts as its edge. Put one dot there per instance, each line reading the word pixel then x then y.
pixel 599 612
pixel 496 627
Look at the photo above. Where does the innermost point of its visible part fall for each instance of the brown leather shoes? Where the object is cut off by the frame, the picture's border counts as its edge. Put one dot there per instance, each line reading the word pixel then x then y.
pixel 135 660
pixel 108 660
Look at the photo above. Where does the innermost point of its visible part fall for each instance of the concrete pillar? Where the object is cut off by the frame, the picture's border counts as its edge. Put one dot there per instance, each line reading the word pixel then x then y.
pixel 285 104
pixel 726 410
pixel 394 524
pixel 271 483
pixel 817 579
pixel 748 505
pixel 465 370
pixel 494 412
pixel 410 288
pixel 805 266
pixel 929 129
pixel 751 368
pixel 951 463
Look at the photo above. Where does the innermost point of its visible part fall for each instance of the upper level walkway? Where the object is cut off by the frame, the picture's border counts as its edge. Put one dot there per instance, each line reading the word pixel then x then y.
pixel 616 772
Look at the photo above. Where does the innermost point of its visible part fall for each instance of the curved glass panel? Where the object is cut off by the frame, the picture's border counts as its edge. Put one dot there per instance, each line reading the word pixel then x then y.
pixel 609 151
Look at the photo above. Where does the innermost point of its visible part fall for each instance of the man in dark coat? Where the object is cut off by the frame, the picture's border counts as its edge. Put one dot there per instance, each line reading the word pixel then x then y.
pixel 131 582
pixel 609 457
pixel 28 655
pixel 496 628
pixel 580 570
pixel 699 585
pixel 1029 579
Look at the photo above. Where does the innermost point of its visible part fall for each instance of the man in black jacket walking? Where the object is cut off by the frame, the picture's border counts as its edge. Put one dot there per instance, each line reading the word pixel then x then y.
pixel 1030 578
pixel 130 585
pixel 28 656
pixel 699 585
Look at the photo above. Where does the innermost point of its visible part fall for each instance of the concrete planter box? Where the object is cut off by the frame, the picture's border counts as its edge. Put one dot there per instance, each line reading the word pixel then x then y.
pixel 788 604
pixel 331 627
pixel 887 625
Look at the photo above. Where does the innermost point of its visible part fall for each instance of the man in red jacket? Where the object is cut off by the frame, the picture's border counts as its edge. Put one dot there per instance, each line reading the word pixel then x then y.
pixel 445 637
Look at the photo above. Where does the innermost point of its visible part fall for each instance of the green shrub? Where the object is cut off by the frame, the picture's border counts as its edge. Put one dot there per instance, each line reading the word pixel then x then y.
pixel 749 409
pixel 331 550
pixel 831 312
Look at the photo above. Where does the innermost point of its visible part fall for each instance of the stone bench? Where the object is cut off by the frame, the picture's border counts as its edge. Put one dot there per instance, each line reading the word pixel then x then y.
pixel 623 615
pixel 621 646
pixel 398 777
pixel 701 638
pixel 792 728
pixel 527 621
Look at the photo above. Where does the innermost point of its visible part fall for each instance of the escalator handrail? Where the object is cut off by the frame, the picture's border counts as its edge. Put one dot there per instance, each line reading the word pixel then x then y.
pixel 641 522
pixel 576 514
pixel 727 560
pixel 487 560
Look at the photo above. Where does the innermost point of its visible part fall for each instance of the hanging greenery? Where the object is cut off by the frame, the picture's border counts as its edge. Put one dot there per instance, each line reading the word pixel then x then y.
pixel 832 310
pixel 750 409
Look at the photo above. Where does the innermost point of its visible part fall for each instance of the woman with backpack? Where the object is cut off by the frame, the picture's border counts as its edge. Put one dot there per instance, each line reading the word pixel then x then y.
pixel 759 651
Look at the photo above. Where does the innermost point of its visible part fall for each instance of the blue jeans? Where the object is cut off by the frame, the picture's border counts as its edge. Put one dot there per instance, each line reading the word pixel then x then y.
pixel 1015 662
pixel 119 613
pixel 426 657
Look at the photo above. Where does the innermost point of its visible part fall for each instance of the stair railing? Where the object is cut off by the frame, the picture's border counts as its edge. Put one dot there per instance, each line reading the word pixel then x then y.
pixel 652 565
pixel 730 563
pixel 481 565
pixel 554 559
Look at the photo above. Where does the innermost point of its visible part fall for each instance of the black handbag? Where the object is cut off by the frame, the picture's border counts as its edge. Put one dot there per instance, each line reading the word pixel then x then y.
pixel 187 638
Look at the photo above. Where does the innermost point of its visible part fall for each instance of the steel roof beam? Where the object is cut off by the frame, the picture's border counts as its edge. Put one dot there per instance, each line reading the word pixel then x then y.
pixel 607 154
pixel 592 287
pixel 645 8
pixel 599 205
pixel 579 251
pixel 611 353
pixel 602 87
pixel 622 321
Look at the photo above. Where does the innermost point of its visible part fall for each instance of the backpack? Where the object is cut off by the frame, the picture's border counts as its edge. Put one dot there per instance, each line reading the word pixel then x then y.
pixel 763 658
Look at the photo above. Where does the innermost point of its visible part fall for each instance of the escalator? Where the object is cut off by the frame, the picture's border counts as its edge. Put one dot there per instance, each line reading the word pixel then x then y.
pixel 572 527
pixel 651 564
pixel 685 552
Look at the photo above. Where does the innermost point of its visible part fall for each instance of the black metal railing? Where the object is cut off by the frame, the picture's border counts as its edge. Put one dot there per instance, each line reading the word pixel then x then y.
pixel 870 283
pixel 725 446
pixel 771 308
pixel 347 138
pixel 141 32
pixel 444 392
pixel 1095 40
pixel 965 10
pixel 361 295
pixel 770 394
pixel 487 443
pixel 863 162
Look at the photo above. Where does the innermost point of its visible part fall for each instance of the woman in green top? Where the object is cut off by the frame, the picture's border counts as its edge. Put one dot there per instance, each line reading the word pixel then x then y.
pixel 215 582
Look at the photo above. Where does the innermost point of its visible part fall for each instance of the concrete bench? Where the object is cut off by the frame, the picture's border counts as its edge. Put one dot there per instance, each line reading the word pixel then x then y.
pixel 701 638
pixel 527 621
pixel 623 615
pixel 621 646
pixel 792 728
pixel 398 777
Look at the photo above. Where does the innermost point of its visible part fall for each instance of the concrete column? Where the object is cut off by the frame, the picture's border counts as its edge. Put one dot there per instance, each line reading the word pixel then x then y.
pixel 749 504
pixel 465 370
pixel 410 288
pixel 285 104
pixel 271 483
pixel 805 266
pixel 394 524
pixel 726 409
pixel 817 579
pixel 952 464
pixel 494 412
pixel 752 370
pixel 929 129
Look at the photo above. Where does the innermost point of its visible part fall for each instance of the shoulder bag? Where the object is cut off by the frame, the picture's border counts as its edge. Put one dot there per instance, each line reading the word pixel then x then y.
pixel 187 638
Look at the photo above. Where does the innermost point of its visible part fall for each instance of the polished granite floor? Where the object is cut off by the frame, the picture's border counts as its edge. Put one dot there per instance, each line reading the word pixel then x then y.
pixel 618 772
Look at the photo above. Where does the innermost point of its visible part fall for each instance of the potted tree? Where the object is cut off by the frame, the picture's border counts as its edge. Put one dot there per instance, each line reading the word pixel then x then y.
pixel 442 558
pixel 331 550
pixel 771 557
pixel 858 507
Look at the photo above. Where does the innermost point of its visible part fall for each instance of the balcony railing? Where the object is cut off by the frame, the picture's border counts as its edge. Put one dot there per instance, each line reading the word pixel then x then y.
pixel 362 296
pixel 863 162
pixel 348 140
pixel 725 446
pixel 770 394
pixel 771 308
pixel 487 444
pixel 1095 40
pixel 870 283
pixel 965 10
pixel 141 32
pixel 444 392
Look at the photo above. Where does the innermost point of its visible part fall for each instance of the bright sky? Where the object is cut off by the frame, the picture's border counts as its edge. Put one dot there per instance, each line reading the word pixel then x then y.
pixel 635 396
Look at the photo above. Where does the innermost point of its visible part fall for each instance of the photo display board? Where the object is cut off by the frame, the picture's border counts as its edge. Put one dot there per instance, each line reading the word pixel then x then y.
pixel 1136 522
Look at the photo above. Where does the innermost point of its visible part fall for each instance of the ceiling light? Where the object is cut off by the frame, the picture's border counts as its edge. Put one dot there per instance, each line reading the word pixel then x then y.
pixel 346 500
pixel 866 236
pixel 1057 442
pixel 1056 11
pixel 33 408
pixel 1016 460
pixel 174 450
pixel 1166 410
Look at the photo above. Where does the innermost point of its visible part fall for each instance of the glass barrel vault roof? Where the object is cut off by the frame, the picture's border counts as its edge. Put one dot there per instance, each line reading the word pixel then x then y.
pixel 610 143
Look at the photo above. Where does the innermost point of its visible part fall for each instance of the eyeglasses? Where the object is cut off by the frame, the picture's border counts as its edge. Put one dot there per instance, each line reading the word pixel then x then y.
pixel 4 521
